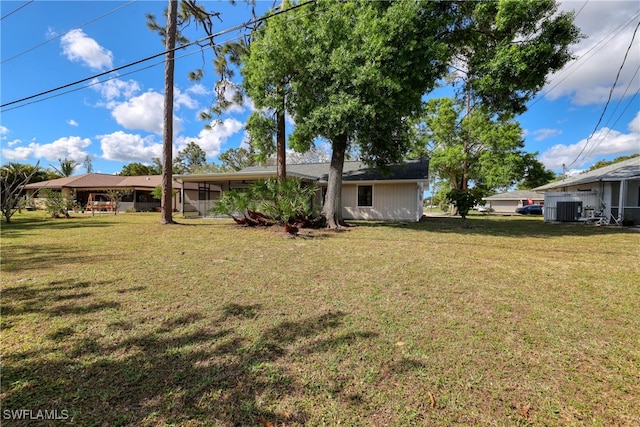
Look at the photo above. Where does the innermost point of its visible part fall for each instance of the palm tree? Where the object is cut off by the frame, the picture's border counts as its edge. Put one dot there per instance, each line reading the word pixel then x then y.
pixel 67 167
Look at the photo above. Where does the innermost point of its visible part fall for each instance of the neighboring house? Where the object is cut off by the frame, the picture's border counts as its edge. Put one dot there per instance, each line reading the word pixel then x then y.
pixel 367 193
pixel 140 187
pixel 611 192
pixel 512 200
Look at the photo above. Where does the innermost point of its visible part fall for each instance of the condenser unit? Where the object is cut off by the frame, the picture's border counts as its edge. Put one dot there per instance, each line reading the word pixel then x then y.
pixel 568 211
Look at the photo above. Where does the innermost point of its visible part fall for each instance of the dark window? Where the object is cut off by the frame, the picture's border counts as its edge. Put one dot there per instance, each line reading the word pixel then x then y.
pixel 365 196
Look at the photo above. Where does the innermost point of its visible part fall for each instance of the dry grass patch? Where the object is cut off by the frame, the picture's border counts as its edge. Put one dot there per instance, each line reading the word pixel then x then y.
pixel 122 321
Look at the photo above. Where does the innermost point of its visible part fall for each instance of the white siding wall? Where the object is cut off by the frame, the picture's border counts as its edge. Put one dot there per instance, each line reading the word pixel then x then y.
pixel 551 199
pixel 391 202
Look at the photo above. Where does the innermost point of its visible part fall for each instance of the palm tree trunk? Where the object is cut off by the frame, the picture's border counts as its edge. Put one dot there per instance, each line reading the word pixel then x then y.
pixel 167 140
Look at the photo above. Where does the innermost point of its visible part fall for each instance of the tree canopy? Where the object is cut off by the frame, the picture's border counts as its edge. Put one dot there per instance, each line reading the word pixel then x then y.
pixel 353 71
pixel 501 53
pixel 66 167
pixel 477 147
pixel 190 159
pixel 137 169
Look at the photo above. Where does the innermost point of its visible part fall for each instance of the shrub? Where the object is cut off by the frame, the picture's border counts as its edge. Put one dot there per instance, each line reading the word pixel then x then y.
pixel 278 201
pixel 56 203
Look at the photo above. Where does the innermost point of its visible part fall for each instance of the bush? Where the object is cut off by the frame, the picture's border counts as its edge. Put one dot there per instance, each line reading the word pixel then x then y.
pixel 56 203
pixel 278 201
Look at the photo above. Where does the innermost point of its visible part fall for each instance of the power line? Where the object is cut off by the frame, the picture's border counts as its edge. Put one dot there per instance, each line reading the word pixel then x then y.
pixel 16 9
pixel 200 50
pixel 606 40
pixel 610 128
pixel 63 34
pixel 95 83
pixel 610 95
pixel 148 58
pixel 583 6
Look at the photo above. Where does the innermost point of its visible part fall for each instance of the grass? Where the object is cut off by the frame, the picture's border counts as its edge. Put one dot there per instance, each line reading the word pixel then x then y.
pixel 118 320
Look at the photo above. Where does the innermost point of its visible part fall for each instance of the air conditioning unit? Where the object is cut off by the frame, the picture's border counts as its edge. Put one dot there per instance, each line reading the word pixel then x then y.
pixel 568 211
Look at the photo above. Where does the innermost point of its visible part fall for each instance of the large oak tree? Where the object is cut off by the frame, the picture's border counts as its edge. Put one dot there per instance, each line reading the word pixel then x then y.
pixel 502 53
pixel 356 71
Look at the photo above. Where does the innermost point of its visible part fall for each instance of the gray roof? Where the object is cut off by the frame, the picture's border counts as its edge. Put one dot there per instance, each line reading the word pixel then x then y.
pixel 627 169
pixel 355 171
pixel 516 195
pixel 99 180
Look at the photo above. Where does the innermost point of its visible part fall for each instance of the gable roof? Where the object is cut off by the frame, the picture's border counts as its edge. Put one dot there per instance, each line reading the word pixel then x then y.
pixel 353 171
pixel 516 195
pixel 627 169
pixel 99 180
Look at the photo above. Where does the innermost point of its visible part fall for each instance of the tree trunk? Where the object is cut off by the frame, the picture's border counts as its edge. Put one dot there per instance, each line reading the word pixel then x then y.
pixel 332 209
pixel 465 167
pixel 167 140
pixel 281 143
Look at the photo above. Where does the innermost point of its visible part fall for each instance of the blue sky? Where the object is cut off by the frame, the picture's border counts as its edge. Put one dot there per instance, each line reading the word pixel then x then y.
pixel 46 44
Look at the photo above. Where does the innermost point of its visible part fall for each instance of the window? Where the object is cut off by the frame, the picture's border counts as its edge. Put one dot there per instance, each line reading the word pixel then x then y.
pixel 365 196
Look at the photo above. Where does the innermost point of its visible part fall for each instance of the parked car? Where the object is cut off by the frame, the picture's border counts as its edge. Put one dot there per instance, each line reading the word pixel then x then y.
pixel 484 208
pixel 530 210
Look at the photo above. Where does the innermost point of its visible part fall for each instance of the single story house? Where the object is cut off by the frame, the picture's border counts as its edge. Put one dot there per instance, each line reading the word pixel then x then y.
pixel 367 193
pixel 508 202
pixel 85 185
pixel 610 193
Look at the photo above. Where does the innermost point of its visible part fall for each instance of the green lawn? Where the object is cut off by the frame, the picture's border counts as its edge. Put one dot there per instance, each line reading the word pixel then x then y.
pixel 118 320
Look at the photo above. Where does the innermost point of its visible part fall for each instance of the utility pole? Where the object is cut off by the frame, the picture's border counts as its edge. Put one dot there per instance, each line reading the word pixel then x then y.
pixel 167 134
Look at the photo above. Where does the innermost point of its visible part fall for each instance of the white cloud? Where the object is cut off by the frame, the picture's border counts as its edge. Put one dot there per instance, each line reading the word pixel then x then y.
pixel 604 142
pixel 71 147
pixel 210 140
pixel 3 131
pixel 116 88
pixel 127 147
pixel 143 112
pixel 198 89
pixel 183 99
pixel 609 28
pixel 14 142
pixel 542 134
pixel 72 122
pixel 634 125
pixel 78 47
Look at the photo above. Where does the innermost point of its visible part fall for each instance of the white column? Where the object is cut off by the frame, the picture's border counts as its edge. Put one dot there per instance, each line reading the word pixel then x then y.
pixel 621 199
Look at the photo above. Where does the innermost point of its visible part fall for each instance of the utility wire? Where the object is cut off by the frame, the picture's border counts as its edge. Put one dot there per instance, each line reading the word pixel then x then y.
pixel 63 34
pixel 148 58
pixel 583 6
pixel 610 95
pixel 16 9
pixel 610 128
pixel 584 57
pixel 96 83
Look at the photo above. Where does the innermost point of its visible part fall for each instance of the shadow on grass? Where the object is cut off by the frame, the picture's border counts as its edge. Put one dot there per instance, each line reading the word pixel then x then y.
pixel 189 369
pixel 32 224
pixel 44 257
pixel 55 299
pixel 518 227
